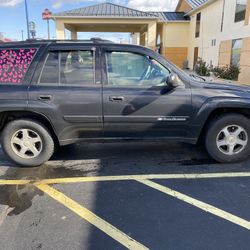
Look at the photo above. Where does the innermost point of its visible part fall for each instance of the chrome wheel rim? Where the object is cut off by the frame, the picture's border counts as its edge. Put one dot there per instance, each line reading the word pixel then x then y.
pixel 26 143
pixel 232 140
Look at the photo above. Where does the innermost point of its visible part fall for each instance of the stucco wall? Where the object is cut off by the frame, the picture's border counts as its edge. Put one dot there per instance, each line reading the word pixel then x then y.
pixel 183 6
pixel 175 42
pixel 211 20
pixel 245 62
pixel 176 34
pixel 210 29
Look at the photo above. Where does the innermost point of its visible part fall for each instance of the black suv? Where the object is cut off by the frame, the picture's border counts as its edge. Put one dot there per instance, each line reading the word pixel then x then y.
pixel 61 92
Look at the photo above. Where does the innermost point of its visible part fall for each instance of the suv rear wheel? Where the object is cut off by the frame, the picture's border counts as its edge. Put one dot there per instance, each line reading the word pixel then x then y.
pixel 27 142
pixel 227 138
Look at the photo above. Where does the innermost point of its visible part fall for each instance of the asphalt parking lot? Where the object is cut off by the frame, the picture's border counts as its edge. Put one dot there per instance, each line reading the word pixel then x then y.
pixel 125 196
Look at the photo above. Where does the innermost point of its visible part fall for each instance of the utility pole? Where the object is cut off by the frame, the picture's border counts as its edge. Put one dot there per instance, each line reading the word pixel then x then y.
pixel 27 19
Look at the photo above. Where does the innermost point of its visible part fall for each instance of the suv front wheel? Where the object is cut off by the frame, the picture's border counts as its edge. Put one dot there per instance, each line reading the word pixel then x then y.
pixel 227 138
pixel 28 143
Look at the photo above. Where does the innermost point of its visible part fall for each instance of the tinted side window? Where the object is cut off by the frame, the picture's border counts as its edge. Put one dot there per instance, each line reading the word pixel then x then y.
pixel 131 69
pixel 50 72
pixel 77 68
pixel 14 64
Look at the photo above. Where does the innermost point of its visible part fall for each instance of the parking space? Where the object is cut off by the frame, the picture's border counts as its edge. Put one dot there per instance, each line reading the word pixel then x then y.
pixel 118 196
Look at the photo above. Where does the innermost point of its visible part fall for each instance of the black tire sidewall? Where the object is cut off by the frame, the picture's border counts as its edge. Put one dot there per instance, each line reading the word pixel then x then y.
pixel 47 142
pixel 213 130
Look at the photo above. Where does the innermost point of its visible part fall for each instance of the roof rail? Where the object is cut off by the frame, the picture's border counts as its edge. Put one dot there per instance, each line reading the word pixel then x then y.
pixel 38 41
pixel 93 39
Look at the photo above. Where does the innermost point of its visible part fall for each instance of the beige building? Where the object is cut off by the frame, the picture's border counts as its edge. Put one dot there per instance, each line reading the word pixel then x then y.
pixel 218 31
pixel 165 31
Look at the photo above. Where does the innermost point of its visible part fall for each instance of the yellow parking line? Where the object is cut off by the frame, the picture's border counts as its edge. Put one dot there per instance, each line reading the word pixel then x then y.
pixel 144 177
pixel 86 214
pixel 15 182
pixel 202 205
pixel 127 177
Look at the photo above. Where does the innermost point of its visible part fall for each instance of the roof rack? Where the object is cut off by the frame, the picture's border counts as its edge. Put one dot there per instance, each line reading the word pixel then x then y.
pixel 93 40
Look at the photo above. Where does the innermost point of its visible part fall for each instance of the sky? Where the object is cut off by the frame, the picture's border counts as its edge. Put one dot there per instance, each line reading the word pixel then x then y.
pixel 13 22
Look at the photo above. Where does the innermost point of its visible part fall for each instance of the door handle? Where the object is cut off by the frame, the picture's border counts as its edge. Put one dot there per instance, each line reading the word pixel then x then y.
pixel 45 97
pixel 116 98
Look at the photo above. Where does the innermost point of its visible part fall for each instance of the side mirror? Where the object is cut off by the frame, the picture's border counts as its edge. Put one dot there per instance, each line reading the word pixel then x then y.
pixel 174 81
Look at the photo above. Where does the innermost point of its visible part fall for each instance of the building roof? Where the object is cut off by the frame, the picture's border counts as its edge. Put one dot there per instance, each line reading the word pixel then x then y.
pixel 171 16
pixel 105 9
pixel 114 10
pixel 196 3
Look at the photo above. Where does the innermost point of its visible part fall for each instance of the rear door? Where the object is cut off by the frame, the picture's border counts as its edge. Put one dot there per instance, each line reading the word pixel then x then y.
pixel 67 91
pixel 136 100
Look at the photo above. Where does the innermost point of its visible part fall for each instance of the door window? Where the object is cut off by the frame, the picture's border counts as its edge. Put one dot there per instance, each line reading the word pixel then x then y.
pixel 74 68
pixel 131 69
pixel 50 73
pixel 77 68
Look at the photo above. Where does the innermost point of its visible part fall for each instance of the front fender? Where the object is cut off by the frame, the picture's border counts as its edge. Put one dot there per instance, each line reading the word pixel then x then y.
pixel 217 105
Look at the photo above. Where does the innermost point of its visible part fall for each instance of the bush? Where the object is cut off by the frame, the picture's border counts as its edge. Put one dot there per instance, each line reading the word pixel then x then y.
pixel 229 72
pixel 202 68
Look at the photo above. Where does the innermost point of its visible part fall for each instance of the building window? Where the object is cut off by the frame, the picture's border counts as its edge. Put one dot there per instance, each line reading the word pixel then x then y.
pixel 236 51
pixel 223 14
pixel 240 11
pixel 198 24
pixel 213 42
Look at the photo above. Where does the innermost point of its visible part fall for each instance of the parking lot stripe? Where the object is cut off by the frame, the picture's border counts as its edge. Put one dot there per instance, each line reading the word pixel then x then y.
pixel 15 182
pixel 127 177
pixel 145 177
pixel 86 214
pixel 202 205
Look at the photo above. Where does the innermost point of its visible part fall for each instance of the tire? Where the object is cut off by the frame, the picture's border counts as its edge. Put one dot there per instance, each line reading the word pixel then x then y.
pixel 19 136
pixel 222 140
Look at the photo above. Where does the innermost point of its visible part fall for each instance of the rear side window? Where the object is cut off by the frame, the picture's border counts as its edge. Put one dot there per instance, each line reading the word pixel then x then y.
pixel 14 64
pixel 70 68
pixel 50 73
pixel 77 68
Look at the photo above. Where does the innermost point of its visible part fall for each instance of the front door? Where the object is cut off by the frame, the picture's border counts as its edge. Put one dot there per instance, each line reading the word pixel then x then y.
pixel 136 100
pixel 68 93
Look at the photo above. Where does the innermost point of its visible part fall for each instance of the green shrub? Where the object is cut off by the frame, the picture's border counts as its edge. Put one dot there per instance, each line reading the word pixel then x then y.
pixel 202 68
pixel 230 72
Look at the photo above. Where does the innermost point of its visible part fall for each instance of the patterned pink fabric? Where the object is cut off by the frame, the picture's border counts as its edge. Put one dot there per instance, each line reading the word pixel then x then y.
pixel 14 64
